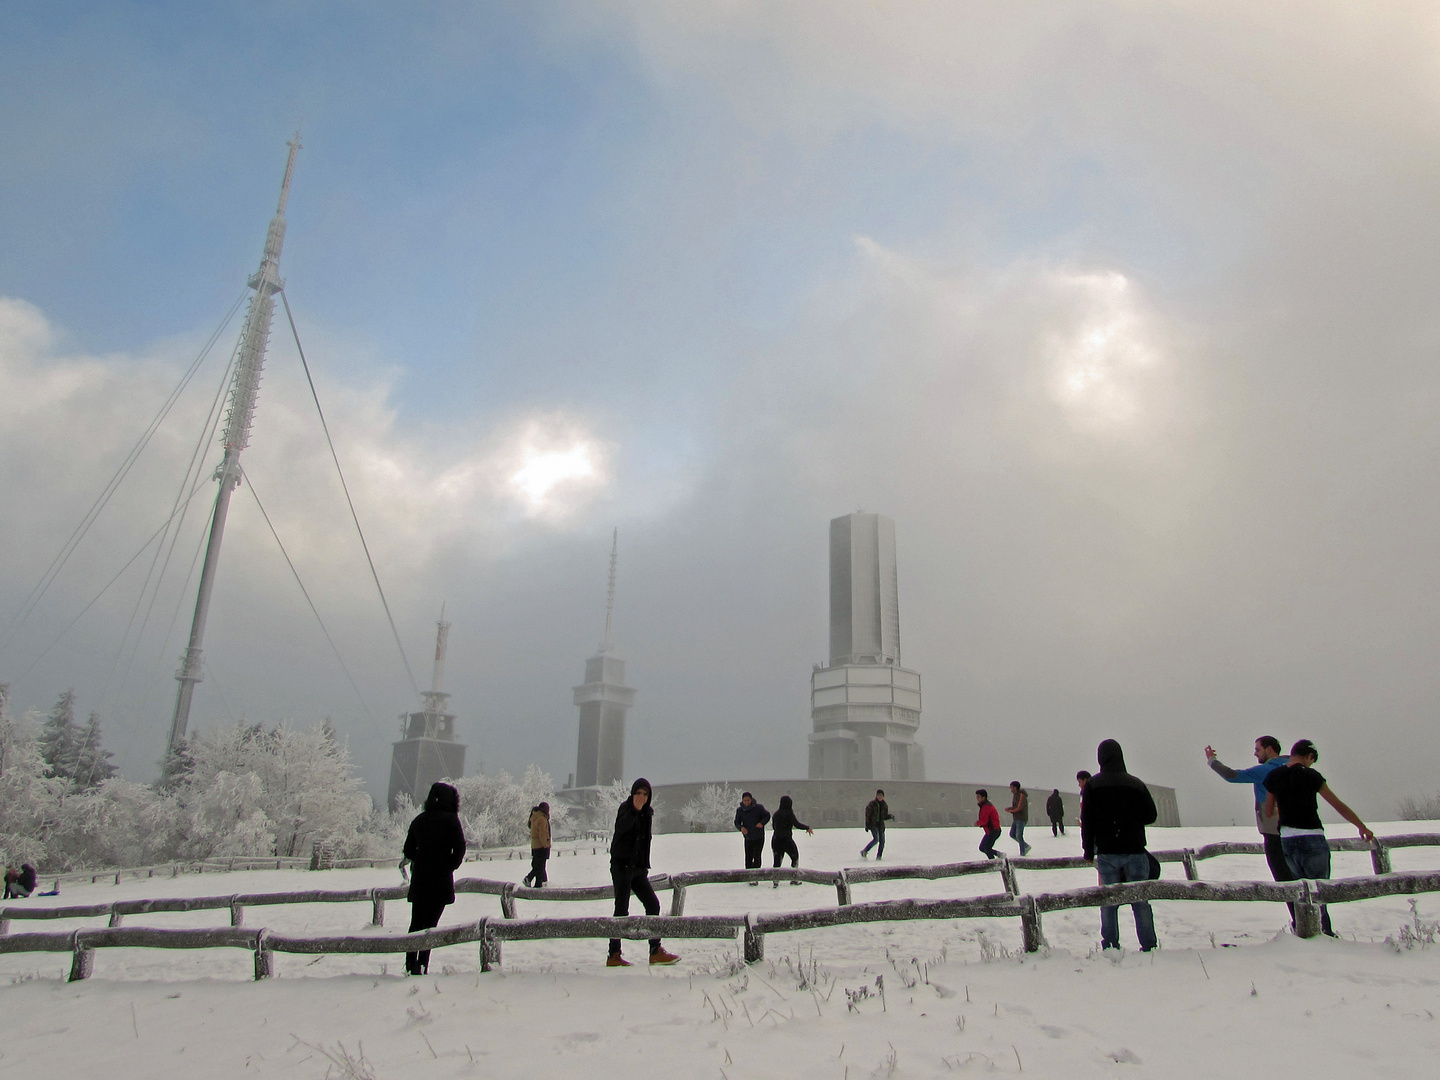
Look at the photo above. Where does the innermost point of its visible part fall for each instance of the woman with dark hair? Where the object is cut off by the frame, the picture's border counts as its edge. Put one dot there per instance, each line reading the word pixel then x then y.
pixel 782 835
pixel 539 845
pixel 1291 792
pixel 435 848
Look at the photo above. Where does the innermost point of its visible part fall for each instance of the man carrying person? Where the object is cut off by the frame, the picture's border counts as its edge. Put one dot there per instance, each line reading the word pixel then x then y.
pixel 989 821
pixel 1055 811
pixel 751 819
pixel 1268 758
pixel 1019 811
pixel 876 814
pixel 1114 811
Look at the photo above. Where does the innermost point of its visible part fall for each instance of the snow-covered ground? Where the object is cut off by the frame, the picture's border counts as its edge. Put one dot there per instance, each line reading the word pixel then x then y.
pixel 1230 992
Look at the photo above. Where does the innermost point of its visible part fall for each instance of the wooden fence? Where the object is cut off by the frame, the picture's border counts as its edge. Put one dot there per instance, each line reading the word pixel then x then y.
pixel 1307 896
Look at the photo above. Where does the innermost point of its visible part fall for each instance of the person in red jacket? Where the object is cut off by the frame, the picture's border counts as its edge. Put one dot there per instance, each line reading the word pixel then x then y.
pixel 989 821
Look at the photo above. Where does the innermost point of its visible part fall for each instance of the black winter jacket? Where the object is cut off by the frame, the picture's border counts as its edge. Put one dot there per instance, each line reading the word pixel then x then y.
pixel 784 823
pixel 631 847
pixel 1116 808
pixel 877 812
pixel 1055 807
pixel 753 817
pixel 435 847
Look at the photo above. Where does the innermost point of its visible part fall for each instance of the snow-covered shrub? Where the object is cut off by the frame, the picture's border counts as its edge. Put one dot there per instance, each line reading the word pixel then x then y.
pixel 29 797
pixel 713 810
pixel 117 823
pixel 495 810
pixel 1420 807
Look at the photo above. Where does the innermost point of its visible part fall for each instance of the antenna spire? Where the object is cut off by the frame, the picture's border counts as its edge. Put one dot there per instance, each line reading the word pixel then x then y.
pixel 608 645
pixel 434 699
pixel 244 388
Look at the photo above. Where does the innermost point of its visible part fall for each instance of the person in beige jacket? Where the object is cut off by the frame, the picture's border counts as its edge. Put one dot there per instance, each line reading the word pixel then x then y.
pixel 539 845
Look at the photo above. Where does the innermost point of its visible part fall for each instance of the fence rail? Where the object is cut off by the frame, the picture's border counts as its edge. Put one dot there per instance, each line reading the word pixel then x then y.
pixel 1307 896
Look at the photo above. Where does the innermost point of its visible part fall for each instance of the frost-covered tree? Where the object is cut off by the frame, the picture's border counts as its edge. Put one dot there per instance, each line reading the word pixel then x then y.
pixel 1420 807
pixel 256 792
pixel 57 737
pixel 116 823
pixel 29 796
pixel 713 810
pixel 92 760
pixel 496 810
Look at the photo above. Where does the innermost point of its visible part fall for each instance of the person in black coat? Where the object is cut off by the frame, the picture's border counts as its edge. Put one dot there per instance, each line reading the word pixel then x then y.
pixel 435 848
pixel 1113 814
pixel 751 819
pixel 782 836
pixel 629 863
pixel 1055 810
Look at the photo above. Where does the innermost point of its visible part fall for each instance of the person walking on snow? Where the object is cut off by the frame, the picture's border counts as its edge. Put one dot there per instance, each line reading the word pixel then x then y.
pixel 1019 811
pixel 629 861
pixel 1290 794
pixel 989 821
pixel 751 819
pixel 1268 758
pixel 539 845
pixel 1113 816
pixel 876 814
pixel 435 848
pixel 1055 811
pixel 782 835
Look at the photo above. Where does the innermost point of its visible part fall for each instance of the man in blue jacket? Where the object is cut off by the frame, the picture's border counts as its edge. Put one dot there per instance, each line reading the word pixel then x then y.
pixel 751 819
pixel 1268 758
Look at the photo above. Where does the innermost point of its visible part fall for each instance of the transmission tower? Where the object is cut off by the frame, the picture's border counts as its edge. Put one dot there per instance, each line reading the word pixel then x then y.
pixel 254 337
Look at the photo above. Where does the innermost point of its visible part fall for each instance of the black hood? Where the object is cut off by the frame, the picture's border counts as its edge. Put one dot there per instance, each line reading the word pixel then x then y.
pixel 1111 757
pixel 785 803
pixel 443 798
pixel 642 785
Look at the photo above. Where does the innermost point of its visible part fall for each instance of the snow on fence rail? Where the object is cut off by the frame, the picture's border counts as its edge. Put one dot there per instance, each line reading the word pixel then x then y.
pixel 1307 896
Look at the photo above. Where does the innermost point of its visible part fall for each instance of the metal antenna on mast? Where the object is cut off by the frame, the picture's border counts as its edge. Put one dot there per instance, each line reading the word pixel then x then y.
pixel 254 337
pixel 609 643
pixel 433 698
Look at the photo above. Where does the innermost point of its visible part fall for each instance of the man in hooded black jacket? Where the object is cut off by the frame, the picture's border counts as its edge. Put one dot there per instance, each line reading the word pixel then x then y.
pixel 629 863
pixel 1113 815
pixel 435 848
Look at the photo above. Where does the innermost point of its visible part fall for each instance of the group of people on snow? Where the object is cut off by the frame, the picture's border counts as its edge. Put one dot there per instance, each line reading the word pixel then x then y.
pixel 1115 808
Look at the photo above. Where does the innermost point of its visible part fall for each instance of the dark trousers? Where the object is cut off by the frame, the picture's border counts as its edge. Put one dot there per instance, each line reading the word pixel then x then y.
pixel 538 858
pixel 987 845
pixel 754 846
pixel 1057 826
pixel 780 848
pixel 1279 868
pixel 1309 857
pixel 877 836
pixel 625 882
pixel 424 914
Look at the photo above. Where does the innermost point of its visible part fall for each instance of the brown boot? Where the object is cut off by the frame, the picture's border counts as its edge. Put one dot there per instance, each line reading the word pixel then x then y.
pixel 660 956
pixel 616 960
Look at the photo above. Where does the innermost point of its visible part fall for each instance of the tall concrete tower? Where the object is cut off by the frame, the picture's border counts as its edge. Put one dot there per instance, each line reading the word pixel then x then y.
pixel 864 706
pixel 427 750
pixel 604 699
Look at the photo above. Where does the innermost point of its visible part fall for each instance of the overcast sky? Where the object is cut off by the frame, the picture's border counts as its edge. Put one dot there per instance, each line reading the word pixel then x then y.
pixel 1125 312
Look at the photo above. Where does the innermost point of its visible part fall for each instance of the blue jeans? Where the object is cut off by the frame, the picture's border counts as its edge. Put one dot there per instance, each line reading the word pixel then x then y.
pixel 987 845
pixel 1309 857
pixel 1115 870
pixel 877 836
pixel 1017 833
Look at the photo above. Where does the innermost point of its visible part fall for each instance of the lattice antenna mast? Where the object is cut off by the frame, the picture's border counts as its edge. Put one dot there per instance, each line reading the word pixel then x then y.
pixel 608 645
pixel 254 338
pixel 434 699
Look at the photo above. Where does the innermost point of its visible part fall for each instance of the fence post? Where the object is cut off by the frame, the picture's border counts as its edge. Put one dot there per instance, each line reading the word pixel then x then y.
pixel 1379 856
pixel 4 927
pixel 489 947
pixel 83 960
pixel 1192 872
pixel 754 941
pixel 507 900
pixel 237 913
pixel 677 898
pixel 115 916
pixel 1031 931
pixel 1307 912
pixel 377 909
pixel 264 958
pixel 1007 875
pixel 842 888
